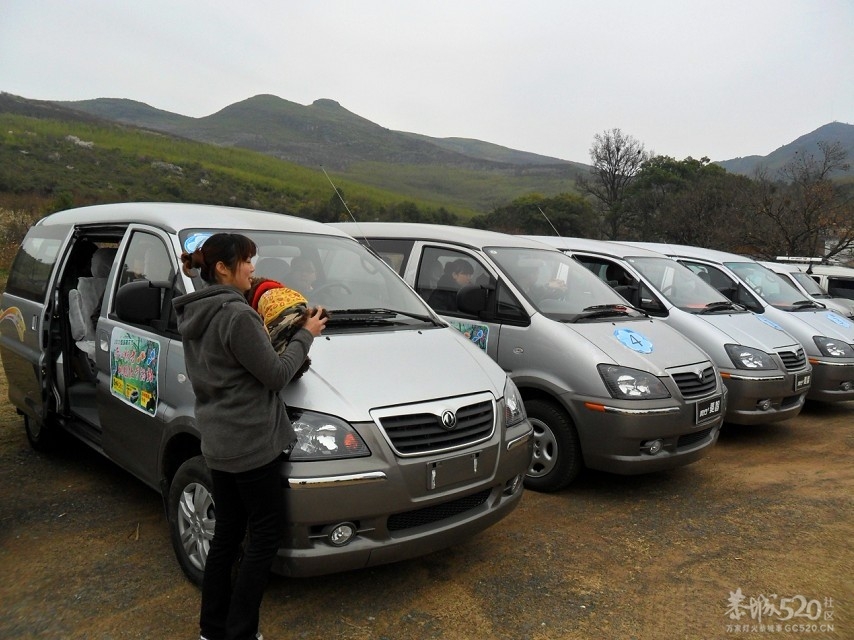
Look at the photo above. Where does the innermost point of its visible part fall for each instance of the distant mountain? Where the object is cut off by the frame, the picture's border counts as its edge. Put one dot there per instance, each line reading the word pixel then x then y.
pixel 806 144
pixel 323 133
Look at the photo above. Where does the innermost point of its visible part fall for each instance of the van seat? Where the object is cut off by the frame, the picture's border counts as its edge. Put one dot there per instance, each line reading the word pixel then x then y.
pixel 85 300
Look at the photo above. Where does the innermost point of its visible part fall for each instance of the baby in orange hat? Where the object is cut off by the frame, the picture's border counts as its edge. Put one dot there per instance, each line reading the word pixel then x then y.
pixel 283 310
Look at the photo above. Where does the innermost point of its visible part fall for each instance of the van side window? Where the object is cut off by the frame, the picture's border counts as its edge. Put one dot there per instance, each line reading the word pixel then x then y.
pixel 148 258
pixel 394 252
pixel 34 263
pixel 442 273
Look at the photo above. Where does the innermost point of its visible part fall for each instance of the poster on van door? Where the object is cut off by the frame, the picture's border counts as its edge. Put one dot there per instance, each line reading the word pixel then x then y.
pixel 477 333
pixel 133 370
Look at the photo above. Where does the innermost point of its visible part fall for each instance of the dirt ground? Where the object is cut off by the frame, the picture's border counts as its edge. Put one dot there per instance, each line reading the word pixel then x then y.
pixel 85 553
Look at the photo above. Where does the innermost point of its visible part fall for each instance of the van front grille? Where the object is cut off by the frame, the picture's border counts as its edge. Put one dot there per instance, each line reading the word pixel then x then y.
pixel 424 433
pixel 793 360
pixel 693 438
pixel 428 515
pixel 693 385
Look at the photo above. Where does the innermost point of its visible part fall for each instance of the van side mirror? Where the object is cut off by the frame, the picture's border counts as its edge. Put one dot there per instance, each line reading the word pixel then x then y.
pixel 140 301
pixel 472 299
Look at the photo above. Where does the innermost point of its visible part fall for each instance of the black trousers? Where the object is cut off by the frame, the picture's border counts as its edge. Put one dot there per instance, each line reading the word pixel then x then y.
pixel 250 500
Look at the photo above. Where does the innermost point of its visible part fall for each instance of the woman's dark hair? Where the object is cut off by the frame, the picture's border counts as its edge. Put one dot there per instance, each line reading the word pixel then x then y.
pixel 228 248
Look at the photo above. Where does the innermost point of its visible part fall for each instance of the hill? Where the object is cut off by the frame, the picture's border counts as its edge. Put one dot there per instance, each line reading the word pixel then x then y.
pixel 52 157
pixel 455 172
pixel 806 144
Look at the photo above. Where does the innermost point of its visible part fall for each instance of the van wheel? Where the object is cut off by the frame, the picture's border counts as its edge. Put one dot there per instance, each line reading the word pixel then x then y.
pixel 192 516
pixel 557 452
pixel 41 434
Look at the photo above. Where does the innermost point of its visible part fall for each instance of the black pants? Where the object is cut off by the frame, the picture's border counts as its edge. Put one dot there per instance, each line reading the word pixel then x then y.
pixel 254 500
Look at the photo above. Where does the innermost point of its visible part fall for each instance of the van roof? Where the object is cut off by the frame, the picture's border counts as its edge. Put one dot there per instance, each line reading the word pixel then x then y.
pixel 475 238
pixel 173 217
pixel 604 247
pixel 686 251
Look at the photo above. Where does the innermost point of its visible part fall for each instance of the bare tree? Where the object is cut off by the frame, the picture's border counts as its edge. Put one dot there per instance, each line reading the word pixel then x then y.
pixel 804 212
pixel 616 160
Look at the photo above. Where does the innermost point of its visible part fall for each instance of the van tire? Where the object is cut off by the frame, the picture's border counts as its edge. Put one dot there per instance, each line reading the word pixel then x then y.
pixel 557 451
pixel 41 434
pixel 192 516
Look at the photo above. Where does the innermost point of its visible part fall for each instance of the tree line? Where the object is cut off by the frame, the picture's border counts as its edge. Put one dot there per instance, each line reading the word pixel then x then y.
pixel 629 194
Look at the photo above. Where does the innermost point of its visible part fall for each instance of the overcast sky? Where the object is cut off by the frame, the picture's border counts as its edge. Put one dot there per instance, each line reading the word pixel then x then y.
pixel 719 78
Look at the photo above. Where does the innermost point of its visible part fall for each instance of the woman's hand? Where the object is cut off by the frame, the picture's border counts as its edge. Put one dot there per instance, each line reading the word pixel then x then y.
pixel 315 323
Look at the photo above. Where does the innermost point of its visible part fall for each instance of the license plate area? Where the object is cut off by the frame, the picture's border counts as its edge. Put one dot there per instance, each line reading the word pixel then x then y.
pixel 450 471
pixel 803 381
pixel 707 410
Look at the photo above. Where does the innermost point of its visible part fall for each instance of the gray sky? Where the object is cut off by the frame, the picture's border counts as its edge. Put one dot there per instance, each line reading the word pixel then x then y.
pixel 720 78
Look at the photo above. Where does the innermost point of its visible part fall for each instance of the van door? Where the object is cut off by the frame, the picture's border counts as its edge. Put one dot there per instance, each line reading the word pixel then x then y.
pixel 432 273
pixel 30 304
pixel 135 394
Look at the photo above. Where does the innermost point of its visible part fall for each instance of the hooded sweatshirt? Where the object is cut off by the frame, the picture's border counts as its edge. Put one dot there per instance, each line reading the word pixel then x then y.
pixel 236 375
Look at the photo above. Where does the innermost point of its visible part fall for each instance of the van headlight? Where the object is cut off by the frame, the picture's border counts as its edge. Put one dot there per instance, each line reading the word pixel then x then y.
pixel 833 348
pixel 748 357
pixel 323 437
pixel 632 384
pixel 514 409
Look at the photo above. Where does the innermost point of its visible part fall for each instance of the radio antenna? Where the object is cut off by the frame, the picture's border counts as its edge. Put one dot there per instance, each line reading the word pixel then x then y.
pixel 338 193
pixel 352 217
pixel 549 221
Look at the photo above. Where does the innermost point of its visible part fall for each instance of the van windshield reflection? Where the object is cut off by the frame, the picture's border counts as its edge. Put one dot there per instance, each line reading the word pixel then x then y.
pixel 337 273
pixel 556 285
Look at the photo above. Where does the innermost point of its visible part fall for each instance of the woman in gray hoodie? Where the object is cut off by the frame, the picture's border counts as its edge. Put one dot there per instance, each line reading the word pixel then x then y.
pixel 236 376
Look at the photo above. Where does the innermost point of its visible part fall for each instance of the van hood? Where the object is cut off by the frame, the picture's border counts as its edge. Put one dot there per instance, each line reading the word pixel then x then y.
pixel 649 345
pixel 750 330
pixel 353 373
pixel 827 323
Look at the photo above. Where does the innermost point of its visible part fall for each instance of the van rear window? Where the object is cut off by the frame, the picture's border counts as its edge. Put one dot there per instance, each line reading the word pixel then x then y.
pixel 34 263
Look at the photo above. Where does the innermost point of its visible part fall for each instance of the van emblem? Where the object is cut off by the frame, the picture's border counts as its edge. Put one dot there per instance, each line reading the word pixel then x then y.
pixel 449 420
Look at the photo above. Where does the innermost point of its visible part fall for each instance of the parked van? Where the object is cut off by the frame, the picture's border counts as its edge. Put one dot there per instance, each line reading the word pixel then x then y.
pixel 410 438
pixel 837 280
pixel 826 336
pixel 604 385
pixel 800 279
pixel 763 367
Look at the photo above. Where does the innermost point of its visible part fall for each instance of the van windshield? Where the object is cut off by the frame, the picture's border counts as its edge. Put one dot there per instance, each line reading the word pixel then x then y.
pixel 681 286
pixel 558 286
pixel 809 285
pixel 335 272
pixel 771 286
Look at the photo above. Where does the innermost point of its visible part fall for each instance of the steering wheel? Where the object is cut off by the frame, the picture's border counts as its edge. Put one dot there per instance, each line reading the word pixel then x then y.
pixel 328 286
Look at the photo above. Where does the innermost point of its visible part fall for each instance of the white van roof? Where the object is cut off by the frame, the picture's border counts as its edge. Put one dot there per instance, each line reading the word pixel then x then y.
pixel 173 217
pixel 604 247
pixel 476 238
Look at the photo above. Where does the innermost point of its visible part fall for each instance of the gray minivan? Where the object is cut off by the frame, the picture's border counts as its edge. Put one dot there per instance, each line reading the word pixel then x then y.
pixel 604 385
pixel 409 437
pixel 826 336
pixel 802 278
pixel 763 367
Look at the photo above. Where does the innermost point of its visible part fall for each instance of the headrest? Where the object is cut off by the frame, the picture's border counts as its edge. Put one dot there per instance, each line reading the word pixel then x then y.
pixel 102 261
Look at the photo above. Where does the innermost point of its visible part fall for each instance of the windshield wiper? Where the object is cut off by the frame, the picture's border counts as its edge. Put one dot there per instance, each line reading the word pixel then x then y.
pixel 720 305
pixel 605 310
pixel 807 304
pixel 371 315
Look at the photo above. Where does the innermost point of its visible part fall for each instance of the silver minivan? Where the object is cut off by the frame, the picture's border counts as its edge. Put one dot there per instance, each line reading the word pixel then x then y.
pixel 604 385
pixel 409 437
pixel 826 336
pixel 763 367
pixel 798 276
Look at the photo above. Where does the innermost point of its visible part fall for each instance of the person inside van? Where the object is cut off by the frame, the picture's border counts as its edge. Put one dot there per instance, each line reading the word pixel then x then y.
pixel 457 274
pixel 302 275
pixel 236 375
